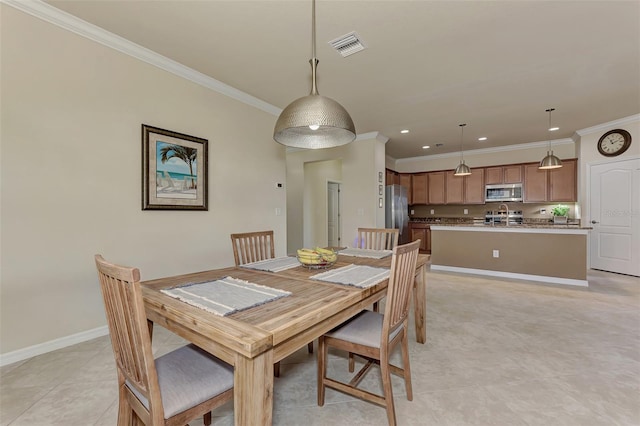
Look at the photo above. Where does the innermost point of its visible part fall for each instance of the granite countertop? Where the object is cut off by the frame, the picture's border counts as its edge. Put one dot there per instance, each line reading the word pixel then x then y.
pixel 475 221
pixel 447 220
pixel 521 226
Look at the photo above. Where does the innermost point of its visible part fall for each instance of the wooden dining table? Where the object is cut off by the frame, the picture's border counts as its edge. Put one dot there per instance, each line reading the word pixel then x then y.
pixel 254 339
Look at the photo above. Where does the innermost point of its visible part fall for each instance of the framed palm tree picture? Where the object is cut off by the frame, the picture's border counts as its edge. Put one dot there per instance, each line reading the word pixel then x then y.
pixel 174 170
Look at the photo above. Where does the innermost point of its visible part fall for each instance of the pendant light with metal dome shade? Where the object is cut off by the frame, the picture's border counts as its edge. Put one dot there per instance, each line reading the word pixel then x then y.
pixel 314 121
pixel 462 169
pixel 550 161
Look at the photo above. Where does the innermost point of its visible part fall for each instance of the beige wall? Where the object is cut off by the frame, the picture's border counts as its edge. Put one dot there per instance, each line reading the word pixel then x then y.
pixel 361 162
pixel 71 177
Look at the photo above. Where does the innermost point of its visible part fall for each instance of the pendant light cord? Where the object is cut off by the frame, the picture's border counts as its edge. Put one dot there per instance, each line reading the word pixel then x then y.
pixel 549 128
pixel 461 140
pixel 313 61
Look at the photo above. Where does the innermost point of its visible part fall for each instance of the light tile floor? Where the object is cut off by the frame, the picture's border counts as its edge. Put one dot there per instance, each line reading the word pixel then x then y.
pixel 498 352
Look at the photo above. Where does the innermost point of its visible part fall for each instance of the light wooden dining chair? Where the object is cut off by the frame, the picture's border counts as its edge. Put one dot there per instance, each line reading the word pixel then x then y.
pixel 173 389
pixel 251 247
pixel 373 336
pixel 378 238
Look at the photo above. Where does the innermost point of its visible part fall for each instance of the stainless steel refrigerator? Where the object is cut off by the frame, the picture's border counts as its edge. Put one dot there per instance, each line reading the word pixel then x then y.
pixel 397 211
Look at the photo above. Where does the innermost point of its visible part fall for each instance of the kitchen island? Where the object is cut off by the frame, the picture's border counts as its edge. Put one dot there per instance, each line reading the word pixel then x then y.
pixel 547 253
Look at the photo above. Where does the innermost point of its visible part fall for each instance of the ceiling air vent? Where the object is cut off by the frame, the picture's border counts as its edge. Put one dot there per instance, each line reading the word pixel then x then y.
pixel 348 44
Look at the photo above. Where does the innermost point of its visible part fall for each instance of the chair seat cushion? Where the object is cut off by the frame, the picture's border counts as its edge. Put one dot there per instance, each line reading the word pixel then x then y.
pixel 187 377
pixel 363 329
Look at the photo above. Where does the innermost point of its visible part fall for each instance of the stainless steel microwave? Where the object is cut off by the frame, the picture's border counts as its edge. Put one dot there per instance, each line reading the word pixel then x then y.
pixel 503 192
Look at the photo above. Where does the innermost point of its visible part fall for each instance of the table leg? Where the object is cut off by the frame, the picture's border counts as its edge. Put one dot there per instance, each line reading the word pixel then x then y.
pixel 253 390
pixel 419 304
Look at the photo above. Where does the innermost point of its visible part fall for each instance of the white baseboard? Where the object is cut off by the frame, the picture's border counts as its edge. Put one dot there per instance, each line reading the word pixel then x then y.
pixel 52 345
pixel 541 278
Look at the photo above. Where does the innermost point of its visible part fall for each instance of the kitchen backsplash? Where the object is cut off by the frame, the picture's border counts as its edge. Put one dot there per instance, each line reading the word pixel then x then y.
pixel 530 211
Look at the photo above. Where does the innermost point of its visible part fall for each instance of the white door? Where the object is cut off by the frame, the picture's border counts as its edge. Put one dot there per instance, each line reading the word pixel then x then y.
pixel 614 211
pixel 333 215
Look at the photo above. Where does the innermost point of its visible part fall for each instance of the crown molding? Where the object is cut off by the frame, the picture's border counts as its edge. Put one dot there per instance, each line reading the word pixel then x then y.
pixel 372 135
pixel 517 147
pixel 52 15
pixel 606 126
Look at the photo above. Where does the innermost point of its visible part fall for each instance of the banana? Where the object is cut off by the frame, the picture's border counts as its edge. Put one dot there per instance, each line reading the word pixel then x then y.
pixel 309 257
pixel 324 251
pixel 327 255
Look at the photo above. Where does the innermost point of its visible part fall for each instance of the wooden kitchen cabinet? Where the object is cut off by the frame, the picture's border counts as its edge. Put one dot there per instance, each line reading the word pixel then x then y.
pixel 391 177
pixel 562 182
pixel 419 188
pixel 474 187
pixel 494 175
pixel 405 180
pixel 465 189
pixel 535 183
pixel 503 174
pixel 422 232
pixel 436 186
pixel 551 185
pixel 512 174
pixel 454 188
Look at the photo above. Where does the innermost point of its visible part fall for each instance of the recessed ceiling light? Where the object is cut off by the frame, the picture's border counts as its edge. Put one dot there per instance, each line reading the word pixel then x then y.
pixel 404 131
pixel 484 138
pixel 426 147
pixel 553 129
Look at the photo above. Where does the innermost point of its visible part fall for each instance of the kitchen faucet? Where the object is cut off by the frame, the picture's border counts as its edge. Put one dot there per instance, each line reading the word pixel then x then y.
pixel 505 208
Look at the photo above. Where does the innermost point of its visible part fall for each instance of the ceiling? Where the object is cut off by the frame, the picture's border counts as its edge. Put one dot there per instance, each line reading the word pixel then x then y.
pixel 428 66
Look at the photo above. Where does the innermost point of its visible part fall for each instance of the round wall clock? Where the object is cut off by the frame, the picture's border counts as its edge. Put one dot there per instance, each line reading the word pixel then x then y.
pixel 614 142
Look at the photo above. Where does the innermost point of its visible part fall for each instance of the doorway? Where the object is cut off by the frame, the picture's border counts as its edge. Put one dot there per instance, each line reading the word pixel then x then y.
pixel 333 214
pixel 614 209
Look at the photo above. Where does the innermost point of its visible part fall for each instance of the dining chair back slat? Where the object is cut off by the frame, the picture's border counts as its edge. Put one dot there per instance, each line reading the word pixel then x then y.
pixel 378 238
pixel 252 247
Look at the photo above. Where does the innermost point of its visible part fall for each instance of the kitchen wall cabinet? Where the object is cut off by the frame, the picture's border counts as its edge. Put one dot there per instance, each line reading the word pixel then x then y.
pixel 419 188
pixel 454 188
pixel 535 185
pixel 512 174
pixel 503 174
pixel 563 182
pixel 422 232
pixel 474 187
pixel 465 189
pixel 551 185
pixel 436 186
pixel 442 187
pixel 392 178
pixel 494 175
pixel 405 180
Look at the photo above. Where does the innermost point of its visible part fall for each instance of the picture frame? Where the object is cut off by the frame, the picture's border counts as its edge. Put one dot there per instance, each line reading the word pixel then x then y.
pixel 174 170
pixel 379 189
pixel 380 177
pixel 380 202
